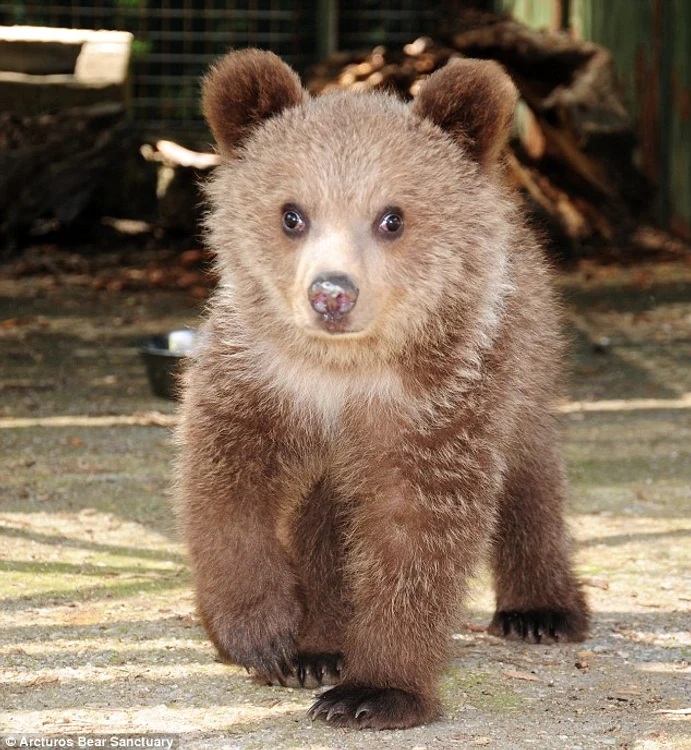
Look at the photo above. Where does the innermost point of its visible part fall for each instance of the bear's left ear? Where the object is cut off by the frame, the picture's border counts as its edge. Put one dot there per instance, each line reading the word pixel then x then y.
pixel 242 90
pixel 473 101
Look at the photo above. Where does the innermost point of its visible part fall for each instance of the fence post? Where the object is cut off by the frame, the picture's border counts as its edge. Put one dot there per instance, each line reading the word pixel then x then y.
pixel 327 27
pixel 664 44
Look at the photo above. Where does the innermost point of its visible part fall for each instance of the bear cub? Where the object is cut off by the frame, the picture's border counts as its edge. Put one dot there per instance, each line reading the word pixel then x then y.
pixel 367 415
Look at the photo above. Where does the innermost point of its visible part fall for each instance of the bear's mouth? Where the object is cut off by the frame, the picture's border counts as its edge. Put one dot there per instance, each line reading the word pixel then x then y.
pixel 324 326
pixel 335 325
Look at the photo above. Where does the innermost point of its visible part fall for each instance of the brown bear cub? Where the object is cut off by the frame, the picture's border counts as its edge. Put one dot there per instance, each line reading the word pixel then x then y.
pixel 367 415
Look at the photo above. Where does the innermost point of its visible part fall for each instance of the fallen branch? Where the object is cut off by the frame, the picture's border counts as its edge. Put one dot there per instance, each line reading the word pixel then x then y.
pixel 146 419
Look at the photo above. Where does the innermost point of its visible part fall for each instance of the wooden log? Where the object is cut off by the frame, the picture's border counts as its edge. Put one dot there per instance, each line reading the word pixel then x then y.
pixel 63 123
pixel 50 165
pixel 180 173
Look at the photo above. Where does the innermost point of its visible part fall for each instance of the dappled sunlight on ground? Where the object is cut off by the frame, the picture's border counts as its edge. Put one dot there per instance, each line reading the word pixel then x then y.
pixel 97 624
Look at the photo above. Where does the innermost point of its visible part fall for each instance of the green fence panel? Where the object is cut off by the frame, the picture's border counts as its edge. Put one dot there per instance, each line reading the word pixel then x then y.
pixel 680 118
pixel 650 41
pixel 538 14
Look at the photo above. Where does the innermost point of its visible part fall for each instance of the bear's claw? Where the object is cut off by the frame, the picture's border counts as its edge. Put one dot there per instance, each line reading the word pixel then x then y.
pixel 314 669
pixel 538 625
pixel 309 670
pixel 274 666
pixel 362 707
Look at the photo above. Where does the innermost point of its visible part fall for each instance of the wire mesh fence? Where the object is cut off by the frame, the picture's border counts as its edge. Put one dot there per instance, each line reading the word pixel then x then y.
pixel 370 22
pixel 175 40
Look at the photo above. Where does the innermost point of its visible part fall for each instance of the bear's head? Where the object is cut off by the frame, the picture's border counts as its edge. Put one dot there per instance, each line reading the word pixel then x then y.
pixel 357 217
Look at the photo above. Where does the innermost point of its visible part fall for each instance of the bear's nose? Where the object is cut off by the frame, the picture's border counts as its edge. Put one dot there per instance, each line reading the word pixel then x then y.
pixel 333 295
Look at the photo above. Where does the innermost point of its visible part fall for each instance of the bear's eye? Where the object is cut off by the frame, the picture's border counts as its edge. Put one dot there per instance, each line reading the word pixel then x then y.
pixel 391 223
pixel 293 221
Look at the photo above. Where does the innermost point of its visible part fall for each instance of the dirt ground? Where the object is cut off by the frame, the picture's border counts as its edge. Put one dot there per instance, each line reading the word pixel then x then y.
pixel 97 627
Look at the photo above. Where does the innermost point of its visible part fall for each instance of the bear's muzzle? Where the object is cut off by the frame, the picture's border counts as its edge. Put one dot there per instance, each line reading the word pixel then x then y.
pixel 333 296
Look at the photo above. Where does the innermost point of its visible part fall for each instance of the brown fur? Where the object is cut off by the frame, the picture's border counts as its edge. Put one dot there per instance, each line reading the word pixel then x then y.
pixel 473 101
pixel 245 88
pixel 336 491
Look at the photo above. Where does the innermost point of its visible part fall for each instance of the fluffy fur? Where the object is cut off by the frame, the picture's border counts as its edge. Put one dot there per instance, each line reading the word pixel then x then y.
pixel 243 89
pixel 473 101
pixel 336 490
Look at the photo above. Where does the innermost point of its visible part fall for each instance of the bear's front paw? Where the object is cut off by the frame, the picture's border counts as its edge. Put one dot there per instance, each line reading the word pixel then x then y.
pixel 539 625
pixel 264 648
pixel 272 661
pixel 261 640
pixel 362 707
pixel 311 670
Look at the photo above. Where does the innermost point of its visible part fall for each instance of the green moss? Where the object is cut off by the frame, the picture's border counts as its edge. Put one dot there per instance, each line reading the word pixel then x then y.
pixel 479 689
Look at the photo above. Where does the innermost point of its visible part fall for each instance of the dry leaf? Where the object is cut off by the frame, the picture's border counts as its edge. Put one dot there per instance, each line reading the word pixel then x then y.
pixel 188 621
pixel 515 675
pixel 42 681
pixel 596 582
pixel 475 628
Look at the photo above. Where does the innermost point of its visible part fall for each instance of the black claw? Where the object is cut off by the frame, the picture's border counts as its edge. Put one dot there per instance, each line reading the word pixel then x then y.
pixel 317 710
pixel 275 668
pixel 313 669
pixel 363 711
pixel 362 707
pixel 533 625
pixel 338 710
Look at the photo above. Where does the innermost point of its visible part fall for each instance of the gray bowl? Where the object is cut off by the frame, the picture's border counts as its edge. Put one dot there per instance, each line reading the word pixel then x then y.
pixel 163 355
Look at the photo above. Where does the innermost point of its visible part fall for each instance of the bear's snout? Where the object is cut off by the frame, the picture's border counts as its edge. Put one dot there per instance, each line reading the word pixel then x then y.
pixel 333 295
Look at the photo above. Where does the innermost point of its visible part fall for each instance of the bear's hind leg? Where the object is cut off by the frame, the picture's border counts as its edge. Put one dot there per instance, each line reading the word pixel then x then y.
pixel 538 598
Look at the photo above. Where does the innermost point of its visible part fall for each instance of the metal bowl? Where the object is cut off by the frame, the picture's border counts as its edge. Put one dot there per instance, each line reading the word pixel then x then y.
pixel 163 355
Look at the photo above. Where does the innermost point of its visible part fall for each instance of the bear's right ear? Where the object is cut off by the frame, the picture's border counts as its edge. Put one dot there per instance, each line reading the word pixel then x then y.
pixel 242 90
pixel 472 101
